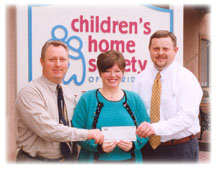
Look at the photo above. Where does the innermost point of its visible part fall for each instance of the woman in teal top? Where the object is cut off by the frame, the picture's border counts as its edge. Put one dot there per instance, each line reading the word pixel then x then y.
pixel 110 106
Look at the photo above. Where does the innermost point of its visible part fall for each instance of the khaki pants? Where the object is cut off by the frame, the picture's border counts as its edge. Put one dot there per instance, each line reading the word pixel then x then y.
pixel 23 157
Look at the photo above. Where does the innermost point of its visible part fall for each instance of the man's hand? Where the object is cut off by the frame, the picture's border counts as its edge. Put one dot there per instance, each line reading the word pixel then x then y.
pixel 96 135
pixel 145 129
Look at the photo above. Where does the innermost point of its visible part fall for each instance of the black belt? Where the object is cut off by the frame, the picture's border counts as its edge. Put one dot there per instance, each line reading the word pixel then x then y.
pixel 61 159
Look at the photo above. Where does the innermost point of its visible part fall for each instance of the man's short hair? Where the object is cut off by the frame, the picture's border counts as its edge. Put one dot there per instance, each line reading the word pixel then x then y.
pixel 54 43
pixel 163 34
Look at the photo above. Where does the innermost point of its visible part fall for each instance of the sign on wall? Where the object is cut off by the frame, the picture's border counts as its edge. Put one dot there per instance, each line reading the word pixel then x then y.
pixel 88 31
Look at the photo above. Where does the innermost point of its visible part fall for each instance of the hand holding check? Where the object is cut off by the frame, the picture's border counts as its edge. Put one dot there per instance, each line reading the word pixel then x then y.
pixel 145 129
pixel 96 135
pixel 122 136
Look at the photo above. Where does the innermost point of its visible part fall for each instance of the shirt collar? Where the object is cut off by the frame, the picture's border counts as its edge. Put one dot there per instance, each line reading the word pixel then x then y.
pixel 164 73
pixel 52 86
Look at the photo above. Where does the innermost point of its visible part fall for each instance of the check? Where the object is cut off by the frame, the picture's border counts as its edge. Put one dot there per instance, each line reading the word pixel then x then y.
pixel 127 133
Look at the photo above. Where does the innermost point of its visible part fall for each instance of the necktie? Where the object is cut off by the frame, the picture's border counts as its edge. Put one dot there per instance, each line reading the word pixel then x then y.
pixel 155 109
pixel 66 147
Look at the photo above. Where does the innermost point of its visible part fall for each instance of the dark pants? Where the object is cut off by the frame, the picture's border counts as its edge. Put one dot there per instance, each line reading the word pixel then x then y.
pixel 185 152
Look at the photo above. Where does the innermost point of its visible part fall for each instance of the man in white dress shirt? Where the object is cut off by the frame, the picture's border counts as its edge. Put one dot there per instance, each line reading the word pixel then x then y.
pixel 39 132
pixel 179 103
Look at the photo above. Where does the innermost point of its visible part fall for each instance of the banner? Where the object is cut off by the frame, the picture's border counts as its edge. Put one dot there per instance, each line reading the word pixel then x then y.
pixel 88 31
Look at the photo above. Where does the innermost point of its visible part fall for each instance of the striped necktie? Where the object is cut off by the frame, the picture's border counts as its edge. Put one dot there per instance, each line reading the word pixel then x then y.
pixel 155 109
pixel 67 149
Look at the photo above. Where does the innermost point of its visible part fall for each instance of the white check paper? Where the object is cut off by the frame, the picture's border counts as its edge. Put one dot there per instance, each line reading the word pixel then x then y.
pixel 127 133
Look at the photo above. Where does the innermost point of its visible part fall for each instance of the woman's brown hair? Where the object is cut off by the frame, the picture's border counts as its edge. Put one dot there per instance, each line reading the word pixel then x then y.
pixel 108 59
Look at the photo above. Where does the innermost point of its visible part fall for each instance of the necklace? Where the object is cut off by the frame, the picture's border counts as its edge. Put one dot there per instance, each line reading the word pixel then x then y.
pixel 115 96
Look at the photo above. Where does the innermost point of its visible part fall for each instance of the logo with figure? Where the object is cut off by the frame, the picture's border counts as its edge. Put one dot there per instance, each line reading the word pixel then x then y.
pixel 75 53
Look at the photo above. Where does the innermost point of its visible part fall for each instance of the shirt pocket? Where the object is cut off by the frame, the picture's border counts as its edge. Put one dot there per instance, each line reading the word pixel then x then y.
pixel 168 106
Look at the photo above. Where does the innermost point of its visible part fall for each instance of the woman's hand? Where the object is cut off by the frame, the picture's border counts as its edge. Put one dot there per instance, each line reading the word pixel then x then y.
pixel 125 145
pixel 107 147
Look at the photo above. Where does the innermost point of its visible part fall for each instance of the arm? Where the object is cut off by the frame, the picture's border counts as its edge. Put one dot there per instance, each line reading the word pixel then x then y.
pixel 32 110
pixel 141 116
pixel 83 119
pixel 187 101
pixel 181 109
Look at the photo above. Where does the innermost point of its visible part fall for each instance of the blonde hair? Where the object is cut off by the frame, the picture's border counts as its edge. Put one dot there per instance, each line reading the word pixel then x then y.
pixel 54 43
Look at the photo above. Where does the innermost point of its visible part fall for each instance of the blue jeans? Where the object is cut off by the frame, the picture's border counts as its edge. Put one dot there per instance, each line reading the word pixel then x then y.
pixel 184 152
